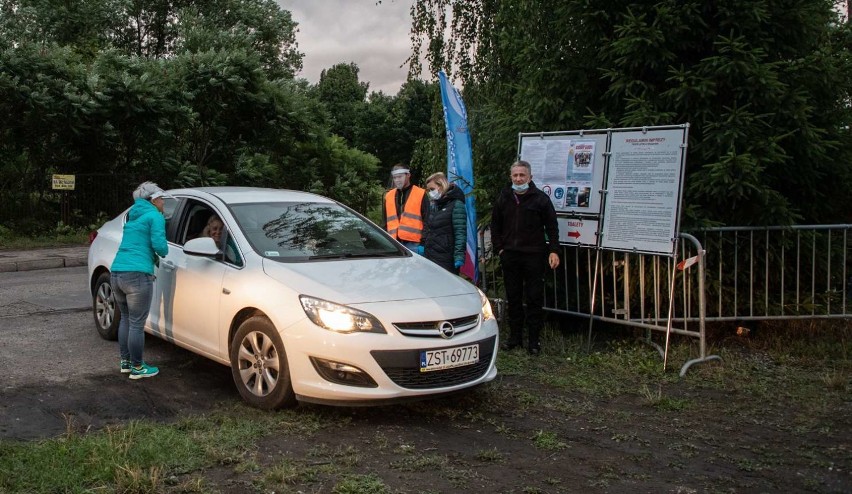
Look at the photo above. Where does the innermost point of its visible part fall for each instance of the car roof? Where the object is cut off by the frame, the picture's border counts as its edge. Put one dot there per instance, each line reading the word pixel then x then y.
pixel 247 195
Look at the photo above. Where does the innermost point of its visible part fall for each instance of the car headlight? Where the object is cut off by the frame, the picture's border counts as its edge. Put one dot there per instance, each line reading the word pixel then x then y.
pixel 487 313
pixel 339 318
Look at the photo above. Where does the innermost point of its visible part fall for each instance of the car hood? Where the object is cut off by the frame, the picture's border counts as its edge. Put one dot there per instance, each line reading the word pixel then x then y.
pixel 353 281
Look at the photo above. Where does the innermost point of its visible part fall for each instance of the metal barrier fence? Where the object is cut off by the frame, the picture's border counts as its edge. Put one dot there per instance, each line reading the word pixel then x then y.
pixel 739 274
pixel 796 272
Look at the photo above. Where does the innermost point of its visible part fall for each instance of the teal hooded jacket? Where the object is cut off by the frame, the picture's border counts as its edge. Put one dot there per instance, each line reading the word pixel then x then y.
pixel 144 239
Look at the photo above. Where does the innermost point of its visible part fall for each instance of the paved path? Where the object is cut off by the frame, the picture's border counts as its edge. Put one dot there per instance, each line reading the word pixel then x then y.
pixel 54 257
pixel 25 293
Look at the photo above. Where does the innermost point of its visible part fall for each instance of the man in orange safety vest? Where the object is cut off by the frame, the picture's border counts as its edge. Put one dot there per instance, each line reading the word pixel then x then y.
pixel 404 210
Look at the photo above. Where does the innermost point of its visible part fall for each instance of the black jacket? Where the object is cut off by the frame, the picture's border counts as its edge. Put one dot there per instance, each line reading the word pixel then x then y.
pixel 524 222
pixel 447 229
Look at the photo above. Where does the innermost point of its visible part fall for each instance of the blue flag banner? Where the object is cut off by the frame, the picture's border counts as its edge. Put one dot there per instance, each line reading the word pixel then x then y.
pixel 460 166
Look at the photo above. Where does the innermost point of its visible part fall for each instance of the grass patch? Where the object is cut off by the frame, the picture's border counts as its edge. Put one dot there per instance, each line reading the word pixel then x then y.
pixel 595 394
pixel 138 456
pixel 656 399
pixel 489 456
pixel 607 372
pixel 60 236
pixel 289 473
pixel 361 484
pixel 460 477
pixel 835 380
pixel 343 455
pixel 548 441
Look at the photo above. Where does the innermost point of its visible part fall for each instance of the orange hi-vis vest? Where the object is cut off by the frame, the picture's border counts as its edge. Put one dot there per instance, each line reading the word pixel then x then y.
pixel 410 226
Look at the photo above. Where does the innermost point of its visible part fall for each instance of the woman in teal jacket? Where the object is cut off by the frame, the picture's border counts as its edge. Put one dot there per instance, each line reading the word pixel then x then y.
pixel 132 275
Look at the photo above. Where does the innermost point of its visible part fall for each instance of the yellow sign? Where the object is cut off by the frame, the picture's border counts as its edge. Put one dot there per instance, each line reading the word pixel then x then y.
pixel 63 182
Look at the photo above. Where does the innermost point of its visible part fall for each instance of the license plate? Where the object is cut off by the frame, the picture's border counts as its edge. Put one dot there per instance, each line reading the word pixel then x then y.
pixel 432 360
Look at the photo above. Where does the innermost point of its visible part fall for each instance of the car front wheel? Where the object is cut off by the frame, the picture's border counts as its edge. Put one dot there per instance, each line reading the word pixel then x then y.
pixel 105 309
pixel 259 365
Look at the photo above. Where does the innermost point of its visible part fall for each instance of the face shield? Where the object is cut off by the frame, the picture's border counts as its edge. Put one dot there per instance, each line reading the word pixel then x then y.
pixel 400 178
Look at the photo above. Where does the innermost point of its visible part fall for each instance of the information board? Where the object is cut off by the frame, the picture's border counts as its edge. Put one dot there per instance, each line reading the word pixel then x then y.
pixel 568 167
pixel 63 182
pixel 644 186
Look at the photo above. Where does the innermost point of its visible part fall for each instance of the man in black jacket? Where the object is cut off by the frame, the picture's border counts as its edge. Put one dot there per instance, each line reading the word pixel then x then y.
pixel 525 235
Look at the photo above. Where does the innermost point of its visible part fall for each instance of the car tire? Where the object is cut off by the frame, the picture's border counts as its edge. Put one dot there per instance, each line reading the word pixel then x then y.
pixel 104 308
pixel 259 365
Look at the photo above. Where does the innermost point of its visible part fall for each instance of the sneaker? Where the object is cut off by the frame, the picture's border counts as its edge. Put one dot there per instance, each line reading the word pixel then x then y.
pixel 125 366
pixel 143 370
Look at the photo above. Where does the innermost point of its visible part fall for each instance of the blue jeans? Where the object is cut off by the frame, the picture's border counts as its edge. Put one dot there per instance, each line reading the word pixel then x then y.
pixel 133 292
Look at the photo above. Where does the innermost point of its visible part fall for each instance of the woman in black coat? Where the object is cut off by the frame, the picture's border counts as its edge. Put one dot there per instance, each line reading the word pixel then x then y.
pixel 446 224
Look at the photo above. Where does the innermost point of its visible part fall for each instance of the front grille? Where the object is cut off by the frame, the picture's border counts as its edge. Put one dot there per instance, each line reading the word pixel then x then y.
pixel 429 329
pixel 403 368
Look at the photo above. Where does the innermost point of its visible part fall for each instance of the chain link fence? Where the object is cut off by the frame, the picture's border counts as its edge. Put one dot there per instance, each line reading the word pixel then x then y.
pixel 96 196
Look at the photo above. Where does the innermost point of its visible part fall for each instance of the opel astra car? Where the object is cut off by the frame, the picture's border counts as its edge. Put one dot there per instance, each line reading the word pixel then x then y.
pixel 305 300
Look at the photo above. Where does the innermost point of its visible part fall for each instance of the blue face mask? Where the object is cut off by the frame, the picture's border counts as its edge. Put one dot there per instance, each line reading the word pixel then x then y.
pixel 521 188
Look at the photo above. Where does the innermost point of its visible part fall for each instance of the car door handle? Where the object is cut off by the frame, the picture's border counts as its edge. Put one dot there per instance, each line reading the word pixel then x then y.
pixel 168 265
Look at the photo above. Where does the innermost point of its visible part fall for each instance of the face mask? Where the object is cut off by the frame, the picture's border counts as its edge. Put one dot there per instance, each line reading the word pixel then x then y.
pixel 435 194
pixel 521 188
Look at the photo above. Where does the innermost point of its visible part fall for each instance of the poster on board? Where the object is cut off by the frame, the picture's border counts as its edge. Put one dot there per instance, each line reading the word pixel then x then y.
pixel 644 187
pixel 568 167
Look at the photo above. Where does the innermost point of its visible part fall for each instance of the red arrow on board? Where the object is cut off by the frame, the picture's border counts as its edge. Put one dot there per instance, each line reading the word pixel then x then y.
pixel 574 234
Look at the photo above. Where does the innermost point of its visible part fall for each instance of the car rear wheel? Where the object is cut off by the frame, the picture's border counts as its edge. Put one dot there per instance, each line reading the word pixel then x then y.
pixel 259 365
pixel 105 309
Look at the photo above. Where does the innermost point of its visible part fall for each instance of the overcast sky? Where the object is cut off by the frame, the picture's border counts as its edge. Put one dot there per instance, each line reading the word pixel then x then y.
pixel 373 35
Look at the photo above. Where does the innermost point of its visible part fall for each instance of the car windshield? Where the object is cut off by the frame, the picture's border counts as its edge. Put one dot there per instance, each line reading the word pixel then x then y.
pixel 304 231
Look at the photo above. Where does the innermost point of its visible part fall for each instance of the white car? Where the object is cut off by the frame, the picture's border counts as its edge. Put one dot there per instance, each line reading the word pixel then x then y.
pixel 305 300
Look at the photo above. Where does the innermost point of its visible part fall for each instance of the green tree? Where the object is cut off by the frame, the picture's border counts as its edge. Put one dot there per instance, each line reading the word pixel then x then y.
pixel 158 28
pixel 375 131
pixel 760 87
pixel 258 26
pixel 136 120
pixel 412 114
pixel 346 175
pixel 764 86
pixel 344 96
pixel 87 27
pixel 390 126
pixel 42 94
pixel 207 99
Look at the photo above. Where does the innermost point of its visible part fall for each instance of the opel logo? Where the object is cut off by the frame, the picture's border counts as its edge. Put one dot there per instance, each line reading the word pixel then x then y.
pixel 446 329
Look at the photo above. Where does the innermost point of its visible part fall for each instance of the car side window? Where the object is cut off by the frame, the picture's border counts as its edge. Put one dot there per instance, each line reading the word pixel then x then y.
pixel 203 221
pixel 197 216
pixel 169 207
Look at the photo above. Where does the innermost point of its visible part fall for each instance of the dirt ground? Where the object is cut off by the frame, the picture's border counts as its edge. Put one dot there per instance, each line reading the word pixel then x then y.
pixel 512 435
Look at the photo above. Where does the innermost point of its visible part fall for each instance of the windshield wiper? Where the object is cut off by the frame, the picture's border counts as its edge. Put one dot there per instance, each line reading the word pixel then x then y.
pixel 349 255
pixel 345 255
pixel 377 254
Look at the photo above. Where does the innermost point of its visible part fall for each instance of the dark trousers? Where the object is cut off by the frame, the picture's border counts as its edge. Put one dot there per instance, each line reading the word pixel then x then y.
pixel 523 276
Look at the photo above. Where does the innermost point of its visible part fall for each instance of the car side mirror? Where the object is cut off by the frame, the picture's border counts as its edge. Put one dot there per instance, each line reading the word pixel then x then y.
pixel 202 246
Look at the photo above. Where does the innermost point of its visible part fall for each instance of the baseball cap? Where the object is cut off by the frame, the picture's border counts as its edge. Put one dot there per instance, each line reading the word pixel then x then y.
pixel 150 190
pixel 163 194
